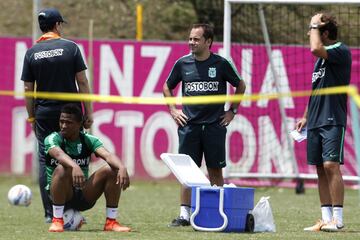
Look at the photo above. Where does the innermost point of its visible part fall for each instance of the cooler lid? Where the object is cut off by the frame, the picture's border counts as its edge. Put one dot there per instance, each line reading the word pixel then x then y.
pixel 185 169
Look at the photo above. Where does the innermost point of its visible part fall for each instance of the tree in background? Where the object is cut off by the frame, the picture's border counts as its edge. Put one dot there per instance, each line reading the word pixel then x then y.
pixel 172 19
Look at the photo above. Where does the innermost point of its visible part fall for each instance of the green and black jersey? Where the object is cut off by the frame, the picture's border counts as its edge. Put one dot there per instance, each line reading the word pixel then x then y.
pixel 203 78
pixel 79 150
pixel 324 110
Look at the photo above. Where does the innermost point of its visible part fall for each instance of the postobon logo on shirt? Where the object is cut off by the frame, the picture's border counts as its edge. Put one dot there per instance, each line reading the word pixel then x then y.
pixel 201 86
pixel 49 54
pixel 78 161
pixel 317 75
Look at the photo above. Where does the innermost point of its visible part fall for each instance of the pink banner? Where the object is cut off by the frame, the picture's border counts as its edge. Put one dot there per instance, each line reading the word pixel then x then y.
pixel 140 133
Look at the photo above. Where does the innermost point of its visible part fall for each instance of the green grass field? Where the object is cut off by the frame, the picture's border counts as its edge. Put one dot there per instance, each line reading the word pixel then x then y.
pixel 149 206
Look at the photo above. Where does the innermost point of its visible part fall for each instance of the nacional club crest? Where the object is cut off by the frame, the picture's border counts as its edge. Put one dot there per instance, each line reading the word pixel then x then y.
pixel 79 147
pixel 212 72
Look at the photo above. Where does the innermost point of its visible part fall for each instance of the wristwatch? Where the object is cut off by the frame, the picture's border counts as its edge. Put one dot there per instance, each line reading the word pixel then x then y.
pixel 233 110
pixel 314 26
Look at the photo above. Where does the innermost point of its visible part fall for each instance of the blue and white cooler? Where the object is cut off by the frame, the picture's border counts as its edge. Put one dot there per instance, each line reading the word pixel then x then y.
pixel 214 209
pixel 225 209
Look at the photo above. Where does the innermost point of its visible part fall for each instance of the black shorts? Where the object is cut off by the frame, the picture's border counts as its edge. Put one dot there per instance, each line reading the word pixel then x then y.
pixel 197 140
pixel 78 201
pixel 325 144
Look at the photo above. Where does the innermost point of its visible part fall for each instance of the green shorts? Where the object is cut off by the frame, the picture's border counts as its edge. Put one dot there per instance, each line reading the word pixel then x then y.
pixel 325 144
pixel 197 140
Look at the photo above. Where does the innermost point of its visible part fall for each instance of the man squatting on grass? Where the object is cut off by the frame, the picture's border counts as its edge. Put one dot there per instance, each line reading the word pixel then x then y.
pixel 67 166
pixel 325 118
pixel 202 128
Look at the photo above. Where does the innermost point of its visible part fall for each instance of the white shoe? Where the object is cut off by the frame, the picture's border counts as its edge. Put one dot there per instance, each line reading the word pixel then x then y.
pixel 317 227
pixel 332 226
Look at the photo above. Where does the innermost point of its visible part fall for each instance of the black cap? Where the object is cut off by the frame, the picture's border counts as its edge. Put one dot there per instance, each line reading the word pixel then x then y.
pixel 50 16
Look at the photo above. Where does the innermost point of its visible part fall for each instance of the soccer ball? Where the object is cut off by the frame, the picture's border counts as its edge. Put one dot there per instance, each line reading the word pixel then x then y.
pixel 20 195
pixel 73 220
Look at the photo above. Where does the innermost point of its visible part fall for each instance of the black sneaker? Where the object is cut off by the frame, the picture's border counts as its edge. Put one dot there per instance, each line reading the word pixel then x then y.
pixel 48 219
pixel 179 222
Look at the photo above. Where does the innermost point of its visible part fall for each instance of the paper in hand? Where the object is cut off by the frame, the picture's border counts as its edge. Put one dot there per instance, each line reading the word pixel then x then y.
pixel 299 136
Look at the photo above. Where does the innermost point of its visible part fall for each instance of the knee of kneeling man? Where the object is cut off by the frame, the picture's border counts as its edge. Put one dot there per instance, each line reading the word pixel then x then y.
pixel 105 170
pixel 61 170
pixel 111 172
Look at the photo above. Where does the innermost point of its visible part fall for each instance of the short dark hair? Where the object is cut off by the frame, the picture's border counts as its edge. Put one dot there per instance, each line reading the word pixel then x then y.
pixel 73 109
pixel 47 27
pixel 331 25
pixel 208 31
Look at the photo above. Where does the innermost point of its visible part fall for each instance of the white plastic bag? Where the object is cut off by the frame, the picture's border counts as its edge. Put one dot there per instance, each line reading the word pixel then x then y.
pixel 264 219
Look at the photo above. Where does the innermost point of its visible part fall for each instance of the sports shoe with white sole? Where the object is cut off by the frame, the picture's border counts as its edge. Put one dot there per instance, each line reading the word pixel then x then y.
pixel 317 227
pixel 332 226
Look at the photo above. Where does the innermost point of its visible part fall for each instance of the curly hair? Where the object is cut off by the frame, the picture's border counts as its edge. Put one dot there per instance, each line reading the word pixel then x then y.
pixel 331 25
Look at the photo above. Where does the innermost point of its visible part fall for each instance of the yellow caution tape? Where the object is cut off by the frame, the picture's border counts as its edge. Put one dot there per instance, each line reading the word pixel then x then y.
pixel 349 90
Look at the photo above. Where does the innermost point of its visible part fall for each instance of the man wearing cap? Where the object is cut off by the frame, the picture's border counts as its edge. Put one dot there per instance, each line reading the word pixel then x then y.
pixel 53 64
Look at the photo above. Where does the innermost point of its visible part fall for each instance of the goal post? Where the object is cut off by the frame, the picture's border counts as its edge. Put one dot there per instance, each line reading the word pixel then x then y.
pixel 272 53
